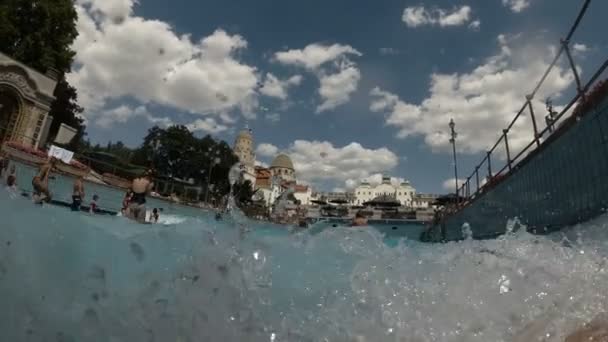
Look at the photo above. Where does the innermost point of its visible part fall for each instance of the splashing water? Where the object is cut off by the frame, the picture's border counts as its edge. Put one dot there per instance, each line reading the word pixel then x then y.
pixel 74 277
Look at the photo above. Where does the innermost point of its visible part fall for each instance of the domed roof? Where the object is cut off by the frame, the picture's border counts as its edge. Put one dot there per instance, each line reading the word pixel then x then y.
pixel 283 161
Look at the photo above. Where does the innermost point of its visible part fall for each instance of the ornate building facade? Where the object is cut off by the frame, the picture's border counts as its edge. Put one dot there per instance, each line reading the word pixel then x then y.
pixel 403 192
pixel 25 100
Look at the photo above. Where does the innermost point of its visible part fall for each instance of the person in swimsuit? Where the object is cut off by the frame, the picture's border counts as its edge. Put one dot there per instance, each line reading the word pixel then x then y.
pixel 77 194
pixel 125 203
pixel 360 220
pixel 11 179
pixel 141 187
pixel 40 182
pixel 94 207
pixel 155 215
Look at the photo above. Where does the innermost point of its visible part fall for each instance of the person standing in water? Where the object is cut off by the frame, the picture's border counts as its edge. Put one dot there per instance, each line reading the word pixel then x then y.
pixel 11 179
pixel 155 215
pixel 77 193
pixel 93 208
pixel 359 220
pixel 141 187
pixel 40 182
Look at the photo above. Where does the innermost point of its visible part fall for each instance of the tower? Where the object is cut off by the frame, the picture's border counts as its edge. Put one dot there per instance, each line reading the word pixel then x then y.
pixel 243 148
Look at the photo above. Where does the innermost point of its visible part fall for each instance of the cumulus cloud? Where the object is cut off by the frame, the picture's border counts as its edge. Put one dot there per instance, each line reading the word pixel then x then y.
pixel 273 87
pixel 481 102
pixel 338 75
pixel 122 114
pixel 475 25
pixel 207 125
pixel 316 161
pixel 336 88
pixel 267 150
pixel 516 5
pixel 315 55
pixel 420 16
pixel 148 61
pixel 450 185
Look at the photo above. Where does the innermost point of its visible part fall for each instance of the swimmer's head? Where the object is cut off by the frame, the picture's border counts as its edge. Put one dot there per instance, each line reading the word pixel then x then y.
pixel 95 197
pixel 53 161
pixel 359 214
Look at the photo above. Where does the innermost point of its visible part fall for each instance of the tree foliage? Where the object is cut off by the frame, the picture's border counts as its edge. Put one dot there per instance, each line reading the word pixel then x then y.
pixel 177 154
pixel 39 33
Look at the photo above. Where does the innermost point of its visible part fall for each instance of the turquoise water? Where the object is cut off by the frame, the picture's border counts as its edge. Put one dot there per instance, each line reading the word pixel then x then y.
pixel 68 276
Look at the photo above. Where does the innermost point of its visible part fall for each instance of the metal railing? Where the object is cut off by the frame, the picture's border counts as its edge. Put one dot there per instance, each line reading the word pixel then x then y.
pixel 463 194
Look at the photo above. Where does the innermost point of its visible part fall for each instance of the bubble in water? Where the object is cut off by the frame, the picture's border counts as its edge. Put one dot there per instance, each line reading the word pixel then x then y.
pixel 235 173
pixel 504 284
pixel 467 232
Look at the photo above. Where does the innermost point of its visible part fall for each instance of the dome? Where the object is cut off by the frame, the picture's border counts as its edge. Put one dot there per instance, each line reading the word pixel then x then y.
pixel 282 161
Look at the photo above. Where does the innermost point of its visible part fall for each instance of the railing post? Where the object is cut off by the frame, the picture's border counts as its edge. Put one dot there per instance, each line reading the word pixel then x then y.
pixel 579 88
pixel 504 134
pixel 477 177
pixel 490 164
pixel 468 187
pixel 529 100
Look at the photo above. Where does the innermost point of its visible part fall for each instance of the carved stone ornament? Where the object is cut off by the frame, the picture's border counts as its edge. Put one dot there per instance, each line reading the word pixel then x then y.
pixel 18 81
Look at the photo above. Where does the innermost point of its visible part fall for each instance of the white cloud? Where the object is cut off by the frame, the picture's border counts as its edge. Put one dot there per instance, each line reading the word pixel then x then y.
pixel 338 80
pixel 267 150
pixel 516 5
pixel 208 125
pixel 580 48
pixel 273 117
pixel 322 161
pixel 336 88
pixel 387 51
pixel 419 16
pixel 121 114
pixel 450 185
pixel 148 61
pixel 314 56
pixel 482 102
pixel 274 87
pixel 475 25
pixel 115 10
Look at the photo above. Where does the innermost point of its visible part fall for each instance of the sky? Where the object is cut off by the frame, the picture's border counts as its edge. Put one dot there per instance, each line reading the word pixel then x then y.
pixel 349 89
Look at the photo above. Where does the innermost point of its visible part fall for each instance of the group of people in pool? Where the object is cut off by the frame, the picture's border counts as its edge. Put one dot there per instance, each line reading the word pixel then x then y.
pixel 133 205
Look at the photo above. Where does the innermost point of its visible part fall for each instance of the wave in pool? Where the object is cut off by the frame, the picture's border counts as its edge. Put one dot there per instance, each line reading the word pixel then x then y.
pixel 75 277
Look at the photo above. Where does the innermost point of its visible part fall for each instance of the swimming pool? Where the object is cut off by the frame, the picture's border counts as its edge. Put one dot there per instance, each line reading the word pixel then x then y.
pixel 68 276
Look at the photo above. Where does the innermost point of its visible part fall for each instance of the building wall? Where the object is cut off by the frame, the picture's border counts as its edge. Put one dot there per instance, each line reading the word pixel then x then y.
pixel 304 197
pixel 403 193
pixel 285 174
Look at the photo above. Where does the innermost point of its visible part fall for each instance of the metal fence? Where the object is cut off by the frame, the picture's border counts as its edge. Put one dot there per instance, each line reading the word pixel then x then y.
pixel 472 186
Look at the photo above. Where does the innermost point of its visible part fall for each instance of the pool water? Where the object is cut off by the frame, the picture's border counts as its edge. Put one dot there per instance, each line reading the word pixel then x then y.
pixel 68 276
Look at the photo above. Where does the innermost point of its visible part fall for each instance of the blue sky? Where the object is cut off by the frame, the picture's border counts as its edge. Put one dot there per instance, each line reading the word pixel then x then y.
pixel 363 87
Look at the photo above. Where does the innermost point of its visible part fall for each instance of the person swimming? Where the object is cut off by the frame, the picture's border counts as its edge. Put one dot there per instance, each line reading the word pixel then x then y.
pixel 359 220
pixel 77 194
pixel 141 187
pixel 40 182
pixel 155 215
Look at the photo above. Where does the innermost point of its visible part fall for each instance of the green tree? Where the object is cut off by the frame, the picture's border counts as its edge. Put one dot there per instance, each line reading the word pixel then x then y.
pixel 39 33
pixel 176 153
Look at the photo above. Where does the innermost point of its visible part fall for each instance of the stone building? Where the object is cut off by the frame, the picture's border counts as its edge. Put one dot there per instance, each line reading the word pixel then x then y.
pixel 25 100
pixel 402 192
pixel 243 148
pixel 282 167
